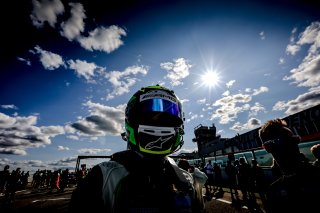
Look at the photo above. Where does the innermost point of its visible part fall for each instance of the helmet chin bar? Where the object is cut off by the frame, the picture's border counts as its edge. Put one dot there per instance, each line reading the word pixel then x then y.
pixel 158 140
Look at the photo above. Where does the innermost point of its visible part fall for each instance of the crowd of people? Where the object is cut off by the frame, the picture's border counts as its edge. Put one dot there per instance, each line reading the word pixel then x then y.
pixel 17 179
pixel 293 174
pixel 242 180
pixel 12 181
pixel 53 180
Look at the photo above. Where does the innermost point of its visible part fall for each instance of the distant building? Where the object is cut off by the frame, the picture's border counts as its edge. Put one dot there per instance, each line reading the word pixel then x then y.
pixel 207 140
pixel 305 123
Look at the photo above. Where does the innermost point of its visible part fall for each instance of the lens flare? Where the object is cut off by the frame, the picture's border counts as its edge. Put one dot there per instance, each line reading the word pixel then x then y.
pixel 210 78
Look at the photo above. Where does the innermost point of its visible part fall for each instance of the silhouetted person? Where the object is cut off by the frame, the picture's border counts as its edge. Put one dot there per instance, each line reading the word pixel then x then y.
pixel 64 178
pixel 12 186
pixel 231 172
pixel 218 180
pixel 208 169
pixel 297 190
pixel 55 181
pixel 24 179
pixel 4 177
pixel 244 178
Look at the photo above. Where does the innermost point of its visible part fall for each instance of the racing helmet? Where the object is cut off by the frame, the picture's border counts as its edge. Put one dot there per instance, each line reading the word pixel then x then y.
pixel 154 121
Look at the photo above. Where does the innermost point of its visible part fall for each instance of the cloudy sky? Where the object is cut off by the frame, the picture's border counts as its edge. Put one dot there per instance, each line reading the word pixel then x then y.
pixel 68 69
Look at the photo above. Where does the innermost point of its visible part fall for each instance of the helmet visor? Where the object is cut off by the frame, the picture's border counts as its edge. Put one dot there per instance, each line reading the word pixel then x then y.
pixel 161 105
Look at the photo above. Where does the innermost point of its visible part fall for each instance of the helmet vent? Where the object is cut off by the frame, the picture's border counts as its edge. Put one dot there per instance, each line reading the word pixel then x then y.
pixel 153 131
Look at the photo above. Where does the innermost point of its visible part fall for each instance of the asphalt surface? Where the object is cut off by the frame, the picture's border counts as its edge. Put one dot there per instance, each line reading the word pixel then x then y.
pixel 41 200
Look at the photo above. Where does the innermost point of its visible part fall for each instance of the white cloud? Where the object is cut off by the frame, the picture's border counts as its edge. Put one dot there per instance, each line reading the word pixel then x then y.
pixel 28 62
pixel 52 130
pixel 302 102
pixel 63 148
pixel 46 11
pixel 307 73
pixel 49 60
pixel 279 106
pixel 201 101
pixel 103 120
pixel 93 151
pixel 75 25
pixel 230 83
pixel 8 106
pixel 281 61
pixel 311 35
pixel 52 61
pixel 12 151
pixel 248 90
pixel 262 89
pixel 191 116
pixel 226 93
pixel 20 133
pixel 292 49
pixel 252 123
pixel 103 39
pixel 84 69
pixel 177 70
pixel 25 165
pixel 229 106
pixel 64 162
pixel 73 137
pixel 254 110
pixel 122 81
pixel 228 112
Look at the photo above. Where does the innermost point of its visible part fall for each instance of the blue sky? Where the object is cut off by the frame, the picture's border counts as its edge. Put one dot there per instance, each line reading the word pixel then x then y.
pixel 68 69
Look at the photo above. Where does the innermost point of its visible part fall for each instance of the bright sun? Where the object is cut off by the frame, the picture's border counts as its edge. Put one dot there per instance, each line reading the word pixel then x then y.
pixel 210 78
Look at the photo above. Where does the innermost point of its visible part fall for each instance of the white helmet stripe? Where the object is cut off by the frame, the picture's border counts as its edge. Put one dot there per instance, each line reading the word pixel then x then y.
pixel 156 131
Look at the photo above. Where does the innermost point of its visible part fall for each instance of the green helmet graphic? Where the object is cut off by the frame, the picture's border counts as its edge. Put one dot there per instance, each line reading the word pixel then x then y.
pixel 154 121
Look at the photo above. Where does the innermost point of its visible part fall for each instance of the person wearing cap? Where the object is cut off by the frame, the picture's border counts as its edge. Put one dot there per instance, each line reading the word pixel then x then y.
pixel 143 178
pixel 297 189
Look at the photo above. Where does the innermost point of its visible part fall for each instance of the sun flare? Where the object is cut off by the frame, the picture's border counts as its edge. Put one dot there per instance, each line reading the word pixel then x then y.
pixel 210 78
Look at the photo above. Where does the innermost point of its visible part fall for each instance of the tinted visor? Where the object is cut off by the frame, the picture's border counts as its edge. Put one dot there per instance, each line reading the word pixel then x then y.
pixel 160 105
